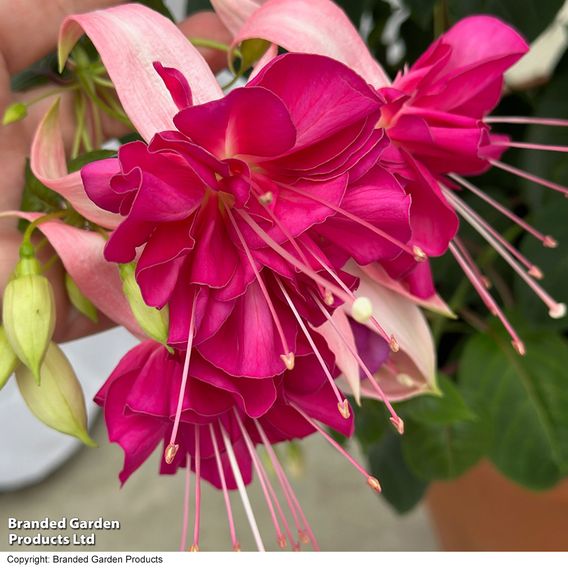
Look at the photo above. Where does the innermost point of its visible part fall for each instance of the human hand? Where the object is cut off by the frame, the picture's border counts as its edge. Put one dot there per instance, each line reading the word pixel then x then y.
pixel 28 31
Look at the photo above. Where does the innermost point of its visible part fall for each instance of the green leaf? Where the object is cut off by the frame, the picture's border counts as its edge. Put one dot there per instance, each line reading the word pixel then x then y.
pixel 400 486
pixel 77 163
pixel 371 422
pixel 447 407
pixel 436 451
pixel 37 74
pixel 37 197
pixel 527 400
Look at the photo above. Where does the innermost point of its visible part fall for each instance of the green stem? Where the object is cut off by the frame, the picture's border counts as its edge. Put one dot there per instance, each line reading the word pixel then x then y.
pixel 79 109
pixel 52 260
pixel 211 44
pixel 441 17
pixel 26 239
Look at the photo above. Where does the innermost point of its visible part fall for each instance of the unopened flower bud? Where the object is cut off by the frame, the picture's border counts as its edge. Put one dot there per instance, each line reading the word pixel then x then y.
pixel 58 400
pixel 14 113
pixel 153 322
pixel 79 300
pixel 28 313
pixel 8 359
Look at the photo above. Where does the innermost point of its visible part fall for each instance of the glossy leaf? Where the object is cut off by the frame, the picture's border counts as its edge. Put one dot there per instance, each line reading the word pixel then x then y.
pixel 527 401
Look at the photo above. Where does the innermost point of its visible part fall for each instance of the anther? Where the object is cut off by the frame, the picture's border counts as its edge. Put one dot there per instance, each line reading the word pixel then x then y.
pixel 266 198
pixel 328 298
pixel 557 311
pixel 550 242
pixel 303 536
pixel 519 347
pixel 194 548
pixel 419 254
pixel 289 360
pixel 343 408
pixel 296 547
pixel 282 541
pixel 398 423
pixel 536 272
pixel 393 344
pixel 170 453
pixel 236 547
pixel 486 282
pixel 362 309
pixel 374 484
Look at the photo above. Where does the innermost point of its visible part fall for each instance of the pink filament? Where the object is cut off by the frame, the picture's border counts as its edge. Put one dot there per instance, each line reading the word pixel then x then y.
pixel 185 373
pixel 226 497
pixel 530 146
pixel 531 177
pixel 261 283
pixel 267 489
pixel 395 418
pixel 525 120
pixel 308 336
pixel 475 221
pixel 293 504
pixel 516 219
pixel 474 276
pixel 197 488
pixel 335 444
pixel 183 542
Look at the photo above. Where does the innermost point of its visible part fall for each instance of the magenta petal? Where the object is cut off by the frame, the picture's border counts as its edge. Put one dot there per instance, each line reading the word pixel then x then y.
pixel 257 353
pixel 96 178
pixel 248 121
pixel 176 84
pixel 309 97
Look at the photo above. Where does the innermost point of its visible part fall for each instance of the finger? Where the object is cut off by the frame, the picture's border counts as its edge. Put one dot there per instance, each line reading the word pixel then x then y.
pixel 28 28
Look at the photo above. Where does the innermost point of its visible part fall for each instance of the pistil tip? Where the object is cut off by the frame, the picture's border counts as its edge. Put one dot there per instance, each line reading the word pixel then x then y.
pixel 289 360
pixel 236 547
pixel 282 541
pixel 557 311
pixel 419 254
pixel 170 453
pixel 550 242
pixel 393 344
pixel 343 408
pixel 362 309
pixel 303 536
pixel 266 198
pixel 398 423
pixel 536 272
pixel 194 548
pixel 519 347
pixel 374 484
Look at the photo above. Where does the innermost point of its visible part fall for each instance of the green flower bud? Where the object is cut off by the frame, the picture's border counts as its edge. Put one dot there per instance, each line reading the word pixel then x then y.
pixel 79 300
pixel 8 359
pixel 14 113
pixel 58 401
pixel 28 313
pixel 153 322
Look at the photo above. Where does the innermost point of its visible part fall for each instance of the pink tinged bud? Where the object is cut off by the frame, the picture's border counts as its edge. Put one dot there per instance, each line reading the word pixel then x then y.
pixel 28 314
pixel 58 400
pixel 14 113
pixel 153 322
pixel 8 359
pixel 79 300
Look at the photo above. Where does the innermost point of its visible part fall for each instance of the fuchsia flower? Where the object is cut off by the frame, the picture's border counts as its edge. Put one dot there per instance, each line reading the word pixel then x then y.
pixel 222 419
pixel 436 117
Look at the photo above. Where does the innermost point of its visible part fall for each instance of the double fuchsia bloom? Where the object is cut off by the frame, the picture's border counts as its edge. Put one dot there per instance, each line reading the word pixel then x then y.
pixel 221 415
pixel 436 116
pixel 251 208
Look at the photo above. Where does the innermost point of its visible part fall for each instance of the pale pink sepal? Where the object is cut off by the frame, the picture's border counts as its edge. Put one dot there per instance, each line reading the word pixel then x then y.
pixel 434 303
pixel 343 345
pixel 82 255
pixel 415 362
pixel 314 26
pixel 268 56
pixel 234 13
pixel 129 39
pixel 48 163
